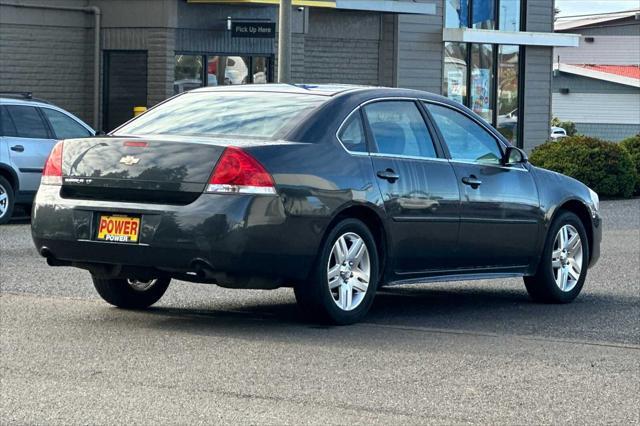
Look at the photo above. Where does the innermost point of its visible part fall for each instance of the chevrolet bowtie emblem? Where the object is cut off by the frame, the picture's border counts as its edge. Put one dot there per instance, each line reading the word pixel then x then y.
pixel 129 160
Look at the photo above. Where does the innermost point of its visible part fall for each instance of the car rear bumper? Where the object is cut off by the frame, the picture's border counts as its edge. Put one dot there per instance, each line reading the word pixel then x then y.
pixel 223 238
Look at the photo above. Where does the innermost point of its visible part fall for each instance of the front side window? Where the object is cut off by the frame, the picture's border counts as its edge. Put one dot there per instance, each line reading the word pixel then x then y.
pixel 352 134
pixel 399 129
pixel 28 122
pixel 64 126
pixel 247 114
pixel 466 140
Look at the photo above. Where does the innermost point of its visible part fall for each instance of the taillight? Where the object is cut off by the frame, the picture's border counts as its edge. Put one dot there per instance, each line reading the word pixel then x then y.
pixel 238 172
pixel 52 173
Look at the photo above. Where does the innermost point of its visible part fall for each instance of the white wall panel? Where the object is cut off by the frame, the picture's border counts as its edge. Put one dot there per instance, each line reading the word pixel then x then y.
pixel 614 108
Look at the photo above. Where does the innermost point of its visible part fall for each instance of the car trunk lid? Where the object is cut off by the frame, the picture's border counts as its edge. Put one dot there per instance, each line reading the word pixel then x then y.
pixel 154 170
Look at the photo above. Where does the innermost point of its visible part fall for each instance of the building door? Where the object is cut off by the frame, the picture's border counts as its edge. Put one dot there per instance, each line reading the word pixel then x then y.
pixel 125 86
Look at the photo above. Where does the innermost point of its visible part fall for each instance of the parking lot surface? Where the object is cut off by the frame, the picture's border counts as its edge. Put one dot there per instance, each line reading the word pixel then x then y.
pixel 474 352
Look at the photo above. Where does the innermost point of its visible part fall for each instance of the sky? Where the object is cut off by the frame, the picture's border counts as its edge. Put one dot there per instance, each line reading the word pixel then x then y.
pixel 581 7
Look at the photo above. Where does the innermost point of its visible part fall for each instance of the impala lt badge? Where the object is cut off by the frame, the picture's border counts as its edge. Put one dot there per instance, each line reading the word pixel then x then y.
pixel 129 160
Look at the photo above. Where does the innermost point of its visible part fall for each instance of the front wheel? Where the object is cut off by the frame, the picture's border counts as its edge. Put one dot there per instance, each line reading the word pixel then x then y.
pixel 7 200
pixel 563 264
pixel 345 278
pixel 130 293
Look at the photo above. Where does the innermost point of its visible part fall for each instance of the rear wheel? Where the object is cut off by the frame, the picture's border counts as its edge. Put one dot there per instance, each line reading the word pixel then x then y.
pixel 130 293
pixel 7 200
pixel 344 281
pixel 563 265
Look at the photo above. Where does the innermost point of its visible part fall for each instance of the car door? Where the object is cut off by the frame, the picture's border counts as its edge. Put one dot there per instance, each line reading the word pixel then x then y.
pixel 29 140
pixel 500 214
pixel 418 187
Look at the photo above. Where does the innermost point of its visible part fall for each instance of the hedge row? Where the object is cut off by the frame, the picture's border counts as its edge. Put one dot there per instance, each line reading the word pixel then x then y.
pixel 610 169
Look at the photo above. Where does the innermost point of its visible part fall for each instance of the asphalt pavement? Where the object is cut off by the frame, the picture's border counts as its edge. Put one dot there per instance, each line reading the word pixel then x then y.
pixel 447 353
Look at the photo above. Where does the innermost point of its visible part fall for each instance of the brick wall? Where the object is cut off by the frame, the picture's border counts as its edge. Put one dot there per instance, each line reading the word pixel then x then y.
pixel 55 63
pixel 338 47
pixel 350 61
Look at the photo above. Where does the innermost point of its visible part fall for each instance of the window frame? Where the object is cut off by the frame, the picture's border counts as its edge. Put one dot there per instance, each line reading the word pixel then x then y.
pixel 502 144
pixel 358 110
pixel 49 131
pixel 372 149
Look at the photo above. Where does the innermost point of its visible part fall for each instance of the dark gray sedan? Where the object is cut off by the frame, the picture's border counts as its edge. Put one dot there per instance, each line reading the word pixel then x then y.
pixel 332 190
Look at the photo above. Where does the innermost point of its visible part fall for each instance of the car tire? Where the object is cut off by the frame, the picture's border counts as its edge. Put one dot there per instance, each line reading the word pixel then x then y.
pixel 130 294
pixel 336 292
pixel 561 261
pixel 7 200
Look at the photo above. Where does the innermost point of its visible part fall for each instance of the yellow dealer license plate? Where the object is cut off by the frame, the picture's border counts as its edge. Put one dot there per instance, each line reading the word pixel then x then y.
pixel 119 229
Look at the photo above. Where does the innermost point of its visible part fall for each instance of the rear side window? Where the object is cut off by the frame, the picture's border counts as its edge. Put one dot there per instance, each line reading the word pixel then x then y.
pixel 7 128
pixel 466 140
pixel 352 134
pixel 28 122
pixel 64 126
pixel 252 114
pixel 399 129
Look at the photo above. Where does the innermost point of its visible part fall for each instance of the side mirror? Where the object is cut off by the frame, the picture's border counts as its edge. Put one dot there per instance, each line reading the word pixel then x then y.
pixel 513 156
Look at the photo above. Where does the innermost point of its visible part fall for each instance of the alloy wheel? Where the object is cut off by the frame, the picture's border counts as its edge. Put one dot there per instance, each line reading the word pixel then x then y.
pixel 348 271
pixel 4 201
pixel 567 258
pixel 141 285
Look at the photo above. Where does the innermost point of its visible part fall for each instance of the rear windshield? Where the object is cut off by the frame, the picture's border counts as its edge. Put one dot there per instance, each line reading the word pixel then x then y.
pixel 253 114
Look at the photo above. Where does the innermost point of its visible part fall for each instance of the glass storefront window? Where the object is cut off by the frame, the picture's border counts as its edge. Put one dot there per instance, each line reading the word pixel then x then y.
pixel 456 13
pixel 188 73
pixel 227 70
pixel 455 72
pixel 509 15
pixel 508 57
pixel 480 87
pixel 260 69
pixel 483 14
pixel 193 71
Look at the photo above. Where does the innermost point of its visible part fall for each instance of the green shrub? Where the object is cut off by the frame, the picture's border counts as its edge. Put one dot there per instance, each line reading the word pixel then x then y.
pixel 632 145
pixel 605 167
pixel 568 126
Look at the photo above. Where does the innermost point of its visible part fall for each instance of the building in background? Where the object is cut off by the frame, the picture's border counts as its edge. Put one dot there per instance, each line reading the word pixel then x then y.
pixel 495 56
pixel 597 85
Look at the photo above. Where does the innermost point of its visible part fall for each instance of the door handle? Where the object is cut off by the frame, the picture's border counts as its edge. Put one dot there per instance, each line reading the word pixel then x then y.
pixel 389 175
pixel 17 148
pixel 472 181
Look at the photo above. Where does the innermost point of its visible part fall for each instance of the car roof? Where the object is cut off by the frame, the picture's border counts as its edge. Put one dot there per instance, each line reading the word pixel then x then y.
pixel 329 90
pixel 311 89
pixel 42 104
pixel 30 102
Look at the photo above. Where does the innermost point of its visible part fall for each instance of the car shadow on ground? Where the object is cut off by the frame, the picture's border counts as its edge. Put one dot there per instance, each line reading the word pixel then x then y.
pixel 463 309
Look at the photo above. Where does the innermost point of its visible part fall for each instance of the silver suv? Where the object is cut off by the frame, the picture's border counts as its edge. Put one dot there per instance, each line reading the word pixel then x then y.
pixel 28 131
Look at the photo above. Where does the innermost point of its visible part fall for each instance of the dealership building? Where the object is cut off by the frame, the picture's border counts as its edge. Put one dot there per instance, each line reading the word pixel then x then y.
pixel 495 56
